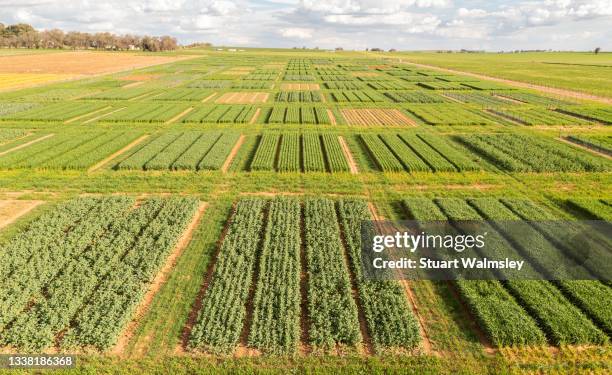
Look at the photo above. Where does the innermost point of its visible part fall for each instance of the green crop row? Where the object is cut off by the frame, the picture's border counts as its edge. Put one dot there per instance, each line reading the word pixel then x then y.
pixel 221 319
pixel 276 304
pixel 332 311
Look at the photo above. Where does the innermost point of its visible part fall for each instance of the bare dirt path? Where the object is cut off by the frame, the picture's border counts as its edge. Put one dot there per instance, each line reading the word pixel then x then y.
pixel 86 115
pixel 24 145
pixel 549 90
pixel 104 115
pixel 347 154
pixel 255 116
pixel 11 210
pixel 331 116
pixel 111 157
pixel 175 118
pixel 209 97
pixel 426 342
pixel 159 280
pixel 232 154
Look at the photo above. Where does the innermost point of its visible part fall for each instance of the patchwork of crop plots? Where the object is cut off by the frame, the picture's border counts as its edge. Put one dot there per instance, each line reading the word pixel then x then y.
pixel 292 152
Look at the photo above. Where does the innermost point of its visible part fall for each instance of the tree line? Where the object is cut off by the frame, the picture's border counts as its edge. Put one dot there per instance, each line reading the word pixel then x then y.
pixel 25 36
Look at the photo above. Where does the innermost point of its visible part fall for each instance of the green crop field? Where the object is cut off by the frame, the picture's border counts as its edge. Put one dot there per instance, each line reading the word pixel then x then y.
pixel 204 215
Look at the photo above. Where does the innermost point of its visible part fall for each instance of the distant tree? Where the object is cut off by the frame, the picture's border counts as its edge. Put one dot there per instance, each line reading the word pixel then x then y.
pixel 597 50
pixel 25 36
pixel 339 49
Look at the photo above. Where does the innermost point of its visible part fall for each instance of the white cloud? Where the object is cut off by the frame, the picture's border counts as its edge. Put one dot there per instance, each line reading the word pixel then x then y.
pixel 296 33
pixel 443 24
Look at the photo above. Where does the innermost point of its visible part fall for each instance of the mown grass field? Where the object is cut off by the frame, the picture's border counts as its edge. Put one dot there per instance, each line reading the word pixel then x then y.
pixel 202 216
pixel 578 71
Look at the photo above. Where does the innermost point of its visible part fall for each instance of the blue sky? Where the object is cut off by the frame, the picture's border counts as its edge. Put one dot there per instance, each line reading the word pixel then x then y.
pixel 352 24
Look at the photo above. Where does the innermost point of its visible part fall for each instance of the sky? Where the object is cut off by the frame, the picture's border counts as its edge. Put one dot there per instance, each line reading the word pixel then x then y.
pixel 352 24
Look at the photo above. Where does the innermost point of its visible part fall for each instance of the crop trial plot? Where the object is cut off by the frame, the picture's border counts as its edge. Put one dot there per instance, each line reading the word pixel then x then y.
pixel 67 150
pixel 243 98
pixel 296 115
pixel 239 114
pixel 539 116
pixel 181 151
pixel 292 152
pixel 105 251
pixel 416 153
pixel 384 117
pixel 300 86
pixel 57 112
pixel 449 115
pixel 521 153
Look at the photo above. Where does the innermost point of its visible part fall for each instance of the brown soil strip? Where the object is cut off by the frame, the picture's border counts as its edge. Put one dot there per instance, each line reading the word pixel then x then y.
pixel 482 337
pixel 586 148
pixel 103 162
pixel 86 115
pixel 11 210
pixel 427 346
pixel 103 115
pixel 426 342
pixel 255 116
pixel 452 99
pixel 232 154
pixel 549 90
pixel 197 304
pixel 348 155
pixel 509 99
pixel 175 118
pixel 159 280
pixel 142 96
pixel 209 97
pixel 331 116
pixel 133 84
pixel 24 145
